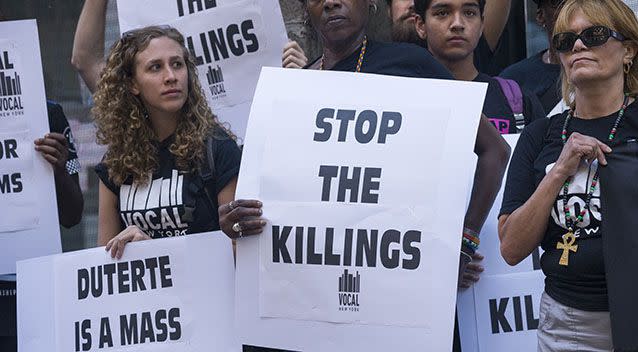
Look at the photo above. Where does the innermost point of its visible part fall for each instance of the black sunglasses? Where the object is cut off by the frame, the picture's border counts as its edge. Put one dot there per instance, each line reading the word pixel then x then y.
pixel 591 37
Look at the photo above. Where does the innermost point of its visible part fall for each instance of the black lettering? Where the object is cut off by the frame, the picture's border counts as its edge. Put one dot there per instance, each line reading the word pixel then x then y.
pixel 83 284
pixel 137 276
pixel 518 316
pixel 299 230
pixel 191 9
pixel 497 315
pixel 204 41
pixel 209 4
pixel 7 64
pixel 328 173
pixel 165 271
pixel 351 184
pixel 180 8
pixel 347 248
pixel 105 333
pixel 331 258
pixel 386 129
pixel 279 249
pixel 176 334
pixel 5 184
pixel 86 335
pixel 370 117
pixel 96 281
pixel 198 59
pixel 161 326
pixel 77 336
pixel 313 257
pixel 345 116
pixel 253 44
pixel 17 183
pixel 367 245
pixel 218 45
pixel 151 265
pixel 536 259
pixel 321 123
pixel 235 44
pixel 146 328
pixel 122 277
pixel 532 322
pixel 128 330
pixel 410 238
pixel 109 270
pixel 8 149
pixel 369 185
pixel 390 261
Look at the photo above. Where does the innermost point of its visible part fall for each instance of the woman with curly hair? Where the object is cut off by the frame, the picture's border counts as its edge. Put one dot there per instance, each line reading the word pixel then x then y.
pixel 169 163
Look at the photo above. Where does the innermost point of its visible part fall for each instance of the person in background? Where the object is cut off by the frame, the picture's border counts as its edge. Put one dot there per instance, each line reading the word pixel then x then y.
pixel 553 197
pixel 451 29
pixel 540 73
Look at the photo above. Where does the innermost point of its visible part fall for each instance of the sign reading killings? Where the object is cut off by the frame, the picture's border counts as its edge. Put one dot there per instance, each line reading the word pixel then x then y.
pixel 229 40
pixel 29 225
pixel 162 296
pixel 362 199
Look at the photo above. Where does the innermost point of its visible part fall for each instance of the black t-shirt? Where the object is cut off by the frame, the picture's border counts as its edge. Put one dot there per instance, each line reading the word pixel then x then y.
pixel 174 202
pixel 537 77
pixel 582 283
pixel 394 59
pixel 498 110
pixel 484 57
pixel 59 124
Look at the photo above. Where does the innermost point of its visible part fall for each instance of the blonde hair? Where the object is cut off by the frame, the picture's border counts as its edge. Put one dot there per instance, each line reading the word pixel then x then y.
pixel 609 13
pixel 122 122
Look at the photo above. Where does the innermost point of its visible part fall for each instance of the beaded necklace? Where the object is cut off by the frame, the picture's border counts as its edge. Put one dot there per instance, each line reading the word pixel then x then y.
pixel 569 238
pixel 362 53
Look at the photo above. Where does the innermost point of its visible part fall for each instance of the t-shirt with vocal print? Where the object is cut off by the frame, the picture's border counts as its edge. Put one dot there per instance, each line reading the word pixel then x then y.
pixel 582 283
pixel 174 202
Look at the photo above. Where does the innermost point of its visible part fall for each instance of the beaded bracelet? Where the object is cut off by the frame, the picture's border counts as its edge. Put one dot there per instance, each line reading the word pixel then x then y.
pixel 470 239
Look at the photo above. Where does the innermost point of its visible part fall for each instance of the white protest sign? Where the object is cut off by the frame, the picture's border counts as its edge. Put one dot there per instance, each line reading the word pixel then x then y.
pixel 231 40
pixel 29 226
pixel 505 296
pixel 361 192
pixel 174 294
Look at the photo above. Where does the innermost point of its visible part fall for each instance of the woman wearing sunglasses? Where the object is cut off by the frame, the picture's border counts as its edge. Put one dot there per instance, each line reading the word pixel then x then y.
pixel 553 195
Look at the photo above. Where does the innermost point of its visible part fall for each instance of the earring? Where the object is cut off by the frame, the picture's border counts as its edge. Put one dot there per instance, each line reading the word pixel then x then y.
pixel 375 8
pixel 627 67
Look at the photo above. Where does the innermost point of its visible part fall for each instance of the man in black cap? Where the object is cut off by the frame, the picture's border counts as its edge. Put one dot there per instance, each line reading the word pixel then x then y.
pixel 540 74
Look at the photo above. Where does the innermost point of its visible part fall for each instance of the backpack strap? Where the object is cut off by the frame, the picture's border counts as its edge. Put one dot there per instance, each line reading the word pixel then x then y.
pixel 207 169
pixel 514 96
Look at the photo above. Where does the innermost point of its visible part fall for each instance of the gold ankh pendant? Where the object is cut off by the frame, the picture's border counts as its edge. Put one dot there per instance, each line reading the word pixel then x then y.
pixel 567 245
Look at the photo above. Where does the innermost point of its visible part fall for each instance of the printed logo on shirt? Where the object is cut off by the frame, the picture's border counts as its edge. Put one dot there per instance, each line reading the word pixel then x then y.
pixel 502 125
pixel 10 85
pixel 215 78
pixel 576 199
pixel 155 207
pixel 349 289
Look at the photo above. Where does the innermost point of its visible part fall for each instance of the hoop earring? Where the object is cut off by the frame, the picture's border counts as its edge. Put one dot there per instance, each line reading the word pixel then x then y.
pixel 627 67
pixel 375 8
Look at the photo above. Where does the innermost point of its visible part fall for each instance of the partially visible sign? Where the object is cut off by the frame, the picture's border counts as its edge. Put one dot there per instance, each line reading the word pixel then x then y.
pixel 29 225
pixel 230 40
pixel 173 294
pixel 500 312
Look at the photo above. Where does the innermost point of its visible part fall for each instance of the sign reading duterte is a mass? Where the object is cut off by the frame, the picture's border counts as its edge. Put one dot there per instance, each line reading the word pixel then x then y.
pixel 362 194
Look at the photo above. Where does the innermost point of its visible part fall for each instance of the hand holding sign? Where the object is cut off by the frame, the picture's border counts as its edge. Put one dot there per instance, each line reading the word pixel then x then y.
pixel 130 234
pixel 241 218
pixel 54 149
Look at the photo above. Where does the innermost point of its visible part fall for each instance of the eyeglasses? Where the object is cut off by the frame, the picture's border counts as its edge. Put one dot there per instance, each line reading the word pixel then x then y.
pixel 591 37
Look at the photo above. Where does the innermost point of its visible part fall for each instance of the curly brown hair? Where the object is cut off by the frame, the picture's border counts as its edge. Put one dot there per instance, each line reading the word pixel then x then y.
pixel 121 118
